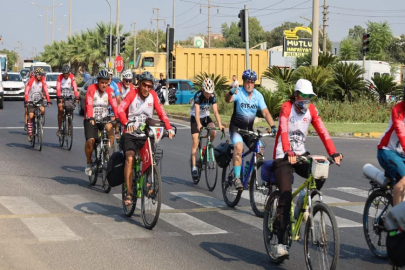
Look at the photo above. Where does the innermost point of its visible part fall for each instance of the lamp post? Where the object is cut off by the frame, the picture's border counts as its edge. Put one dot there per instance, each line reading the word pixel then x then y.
pixel 46 10
pixel 110 29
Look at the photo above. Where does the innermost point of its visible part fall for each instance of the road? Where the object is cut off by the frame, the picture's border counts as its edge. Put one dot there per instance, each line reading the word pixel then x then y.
pixel 50 218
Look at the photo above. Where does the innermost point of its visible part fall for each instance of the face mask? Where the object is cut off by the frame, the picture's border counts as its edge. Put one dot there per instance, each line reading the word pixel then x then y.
pixel 302 106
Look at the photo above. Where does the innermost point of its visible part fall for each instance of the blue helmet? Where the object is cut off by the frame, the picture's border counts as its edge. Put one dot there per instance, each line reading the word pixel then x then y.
pixel 249 75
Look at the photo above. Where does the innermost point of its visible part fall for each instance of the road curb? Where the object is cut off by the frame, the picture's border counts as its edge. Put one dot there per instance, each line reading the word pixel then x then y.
pixel 369 135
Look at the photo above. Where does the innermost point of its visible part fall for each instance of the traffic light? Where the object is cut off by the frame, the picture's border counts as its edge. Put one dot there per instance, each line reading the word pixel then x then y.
pixel 171 39
pixel 122 44
pixel 366 42
pixel 107 43
pixel 242 25
pixel 114 41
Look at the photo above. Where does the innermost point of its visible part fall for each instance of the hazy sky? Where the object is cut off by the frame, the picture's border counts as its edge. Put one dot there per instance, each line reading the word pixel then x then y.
pixel 20 20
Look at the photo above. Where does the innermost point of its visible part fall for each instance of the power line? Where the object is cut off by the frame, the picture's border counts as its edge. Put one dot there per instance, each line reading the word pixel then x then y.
pixel 369 10
pixel 285 20
pixel 268 6
pixel 284 9
pixel 197 23
pixel 188 21
pixel 242 2
pixel 361 15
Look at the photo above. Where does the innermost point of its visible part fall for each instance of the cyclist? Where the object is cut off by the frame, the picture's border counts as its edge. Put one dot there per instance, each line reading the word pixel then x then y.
pixel 98 97
pixel 295 117
pixel 64 85
pixel 140 105
pixel 246 102
pixel 33 92
pixel 30 75
pixel 391 155
pixel 200 111
pixel 114 86
pixel 124 87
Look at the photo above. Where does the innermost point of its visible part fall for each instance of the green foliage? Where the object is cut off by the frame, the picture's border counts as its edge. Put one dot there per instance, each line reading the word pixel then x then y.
pixel 12 58
pixel 356 32
pixel 322 79
pixel 383 85
pixel 380 37
pixel 324 60
pixel 273 100
pixel 275 72
pixel 350 49
pixel 285 89
pixel 220 82
pixel 396 49
pixel 275 36
pixel 232 38
pixel 349 80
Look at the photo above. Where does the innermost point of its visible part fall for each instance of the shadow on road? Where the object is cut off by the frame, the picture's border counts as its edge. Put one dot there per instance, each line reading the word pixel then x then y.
pixel 77 181
pixel 348 252
pixel 174 180
pixel 232 253
pixel 73 168
pixel 51 145
pixel 18 132
pixel 26 146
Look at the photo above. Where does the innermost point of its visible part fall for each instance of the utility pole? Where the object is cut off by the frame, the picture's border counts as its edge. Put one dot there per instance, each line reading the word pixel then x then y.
pixel 18 53
pixel 70 18
pixel 33 52
pixel 247 37
pixel 315 32
pixel 167 66
pixel 117 27
pixel 209 6
pixel 134 23
pixel 157 28
pixel 174 17
pixel 324 36
pixel 53 17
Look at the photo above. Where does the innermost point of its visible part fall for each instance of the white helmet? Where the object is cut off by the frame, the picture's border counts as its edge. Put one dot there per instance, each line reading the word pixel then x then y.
pixel 127 74
pixel 208 86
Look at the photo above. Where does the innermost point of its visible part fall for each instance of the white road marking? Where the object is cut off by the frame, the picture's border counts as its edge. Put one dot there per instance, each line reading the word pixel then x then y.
pixel 21 205
pixel 78 203
pixel 354 191
pixel 50 229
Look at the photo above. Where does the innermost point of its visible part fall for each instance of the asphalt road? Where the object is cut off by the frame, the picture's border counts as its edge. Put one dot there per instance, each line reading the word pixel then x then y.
pixel 50 218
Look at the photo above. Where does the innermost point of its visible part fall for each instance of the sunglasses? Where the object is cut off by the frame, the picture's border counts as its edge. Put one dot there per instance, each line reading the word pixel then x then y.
pixel 306 95
pixel 128 81
pixel 145 85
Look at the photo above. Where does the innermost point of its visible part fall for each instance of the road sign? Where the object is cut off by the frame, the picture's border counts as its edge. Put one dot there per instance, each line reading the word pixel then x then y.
pixel 119 63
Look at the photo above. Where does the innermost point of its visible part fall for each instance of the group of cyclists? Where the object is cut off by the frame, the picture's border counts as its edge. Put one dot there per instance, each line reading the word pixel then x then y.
pixel 132 105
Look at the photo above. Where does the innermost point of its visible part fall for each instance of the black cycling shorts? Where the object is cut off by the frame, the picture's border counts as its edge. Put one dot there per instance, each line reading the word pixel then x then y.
pixel 131 143
pixel 91 131
pixel 204 122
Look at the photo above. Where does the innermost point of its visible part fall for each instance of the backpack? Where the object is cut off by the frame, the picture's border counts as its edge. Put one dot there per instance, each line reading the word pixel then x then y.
pixel 267 172
pixel 395 242
pixel 223 154
pixel 69 105
pixel 115 169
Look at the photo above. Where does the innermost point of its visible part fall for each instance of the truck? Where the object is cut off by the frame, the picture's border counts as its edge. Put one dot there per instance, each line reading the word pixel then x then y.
pixel 187 63
pixel 373 68
pixel 47 68
pixel 27 63
pixel 3 62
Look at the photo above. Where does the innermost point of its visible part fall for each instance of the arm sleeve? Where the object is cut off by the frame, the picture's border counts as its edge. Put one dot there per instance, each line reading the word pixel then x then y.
pixel 114 86
pixel 321 130
pixel 89 101
pixel 113 101
pixel 283 125
pixel 261 102
pixel 59 86
pixel 27 89
pixel 214 99
pixel 122 108
pixel 45 89
pixel 399 125
pixel 160 110
pixel 74 85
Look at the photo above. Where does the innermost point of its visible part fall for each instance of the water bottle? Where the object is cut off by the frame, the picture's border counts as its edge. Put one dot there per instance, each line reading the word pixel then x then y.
pixel 138 189
pixel 247 168
pixel 300 202
pixel 203 150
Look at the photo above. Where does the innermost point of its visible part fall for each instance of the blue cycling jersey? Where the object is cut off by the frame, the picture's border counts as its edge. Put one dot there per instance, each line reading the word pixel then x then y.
pixel 245 109
pixel 114 87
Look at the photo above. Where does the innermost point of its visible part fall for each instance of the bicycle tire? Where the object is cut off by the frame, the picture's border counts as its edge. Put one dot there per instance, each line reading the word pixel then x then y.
pixel 106 157
pixel 376 228
pixel 258 196
pixel 129 210
pixel 228 176
pixel 270 211
pixel 317 242
pixel 40 133
pixel 210 166
pixel 198 163
pixel 33 136
pixel 94 166
pixel 43 120
pixel 157 193
pixel 62 133
pixel 70 133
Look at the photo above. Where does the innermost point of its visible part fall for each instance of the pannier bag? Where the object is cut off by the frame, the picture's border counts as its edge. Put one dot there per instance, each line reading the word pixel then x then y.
pixel 267 172
pixel 69 105
pixel 115 169
pixel 223 154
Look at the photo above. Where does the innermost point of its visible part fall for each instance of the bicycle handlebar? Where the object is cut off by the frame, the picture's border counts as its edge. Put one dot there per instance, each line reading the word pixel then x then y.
pixel 305 158
pixel 165 134
pixel 259 133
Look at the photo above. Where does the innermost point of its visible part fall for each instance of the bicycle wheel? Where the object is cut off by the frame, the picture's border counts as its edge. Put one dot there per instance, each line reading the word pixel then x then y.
pixel 94 166
pixel 43 120
pixel 199 164
pixel 375 209
pixel 62 133
pixel 269 235
pixel 230 194
pixel 321 239
pixel 130 209
pixel 258 192
pixel 211 168
pixel 33 137
pixel 40 133
pixel 69 135
pixel 151 197
pixel 106 157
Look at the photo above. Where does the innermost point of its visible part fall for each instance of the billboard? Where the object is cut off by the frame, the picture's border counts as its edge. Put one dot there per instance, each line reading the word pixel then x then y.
pixel 297 47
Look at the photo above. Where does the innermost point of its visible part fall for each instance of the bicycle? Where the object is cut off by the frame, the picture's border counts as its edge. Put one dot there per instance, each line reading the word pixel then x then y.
pixel 146 186
pixel 37 129
pixel 379 201
pixel 101 156
pixel 67 124
pixel 258 190
pixel 313 240
pixel 206 159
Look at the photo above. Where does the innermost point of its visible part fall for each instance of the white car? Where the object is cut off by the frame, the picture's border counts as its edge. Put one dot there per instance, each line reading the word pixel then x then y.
pixel 51 83
pixel 14 87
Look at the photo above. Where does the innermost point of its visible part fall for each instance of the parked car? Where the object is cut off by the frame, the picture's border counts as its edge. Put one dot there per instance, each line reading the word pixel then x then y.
pixel 185 90
pixel 51 83
pixel 14 86
pixel 1 90
pixel 83 91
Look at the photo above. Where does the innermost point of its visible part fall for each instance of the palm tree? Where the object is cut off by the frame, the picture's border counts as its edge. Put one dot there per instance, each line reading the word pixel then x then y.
pixel 273 100
pixel 275 72
pixel 383 85
pixel 348 78
pixel 220 82
pixel 321 78
pixel 325 59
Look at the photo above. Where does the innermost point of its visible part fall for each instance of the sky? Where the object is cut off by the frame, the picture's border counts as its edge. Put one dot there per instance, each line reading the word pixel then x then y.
pixel 21 22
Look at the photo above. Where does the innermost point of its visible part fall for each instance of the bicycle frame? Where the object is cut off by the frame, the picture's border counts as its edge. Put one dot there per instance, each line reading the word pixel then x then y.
pixel 253 160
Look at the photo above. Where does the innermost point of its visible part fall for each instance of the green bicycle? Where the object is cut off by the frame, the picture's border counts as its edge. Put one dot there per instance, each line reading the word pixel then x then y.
pixel 206 159
pixel 321 238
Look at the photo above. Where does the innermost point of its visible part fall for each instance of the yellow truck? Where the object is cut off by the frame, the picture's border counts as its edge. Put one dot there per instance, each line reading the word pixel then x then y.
pixel 189 62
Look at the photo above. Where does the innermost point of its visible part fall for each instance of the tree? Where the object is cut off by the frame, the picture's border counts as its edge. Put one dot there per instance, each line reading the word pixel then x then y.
pixel 380 37
pixel 274 101
pixel 348 78
pixel 275 36
pixel 322 79
pixel 12 58
pixel 350 49
pixel 396 49
pixel 383 85
pixel 232 38
pixel 324 60
pixel 275 72
pixel 356 32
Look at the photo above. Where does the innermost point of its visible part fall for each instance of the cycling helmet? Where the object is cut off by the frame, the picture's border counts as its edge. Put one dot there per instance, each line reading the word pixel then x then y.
pixel 146 76
pixel 208 86
pixel 65 69
pixel 249 75
pixel 103 74
pixel 39 71
pixel 127 74
pixel 110 71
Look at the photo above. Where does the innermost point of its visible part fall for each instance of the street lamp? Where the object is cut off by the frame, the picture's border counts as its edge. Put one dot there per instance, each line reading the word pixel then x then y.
pixel 46 10
pixel 110 30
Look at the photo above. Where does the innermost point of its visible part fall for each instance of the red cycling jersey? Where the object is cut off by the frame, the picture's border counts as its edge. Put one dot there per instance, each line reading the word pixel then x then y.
pixel 33 87
pixel 293 129
pixel 101 101
pixel 134 108
pixel 62 83
pixel 391 140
